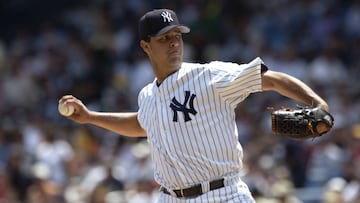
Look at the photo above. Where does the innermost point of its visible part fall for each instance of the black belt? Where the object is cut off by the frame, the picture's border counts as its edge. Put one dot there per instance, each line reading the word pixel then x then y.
pixel 195 190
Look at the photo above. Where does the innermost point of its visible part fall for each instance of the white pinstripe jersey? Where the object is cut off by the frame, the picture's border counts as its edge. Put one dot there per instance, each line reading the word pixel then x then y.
pixel 190 121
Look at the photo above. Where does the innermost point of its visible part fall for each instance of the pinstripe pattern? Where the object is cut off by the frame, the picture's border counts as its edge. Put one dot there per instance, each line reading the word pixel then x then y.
pixel 206 147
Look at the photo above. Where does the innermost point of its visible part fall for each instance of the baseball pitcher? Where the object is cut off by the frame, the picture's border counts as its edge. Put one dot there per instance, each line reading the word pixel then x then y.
pixel 187 114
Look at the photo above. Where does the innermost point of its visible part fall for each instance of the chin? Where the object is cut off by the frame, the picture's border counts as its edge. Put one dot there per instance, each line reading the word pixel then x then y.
pixel 176 65
pixel 176 60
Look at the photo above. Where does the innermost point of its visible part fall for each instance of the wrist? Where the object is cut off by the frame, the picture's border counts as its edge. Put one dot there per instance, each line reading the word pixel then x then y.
pixel 91 117
pixel 324 106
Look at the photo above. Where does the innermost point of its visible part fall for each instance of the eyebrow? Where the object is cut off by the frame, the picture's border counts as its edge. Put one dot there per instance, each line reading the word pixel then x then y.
pixel 175 30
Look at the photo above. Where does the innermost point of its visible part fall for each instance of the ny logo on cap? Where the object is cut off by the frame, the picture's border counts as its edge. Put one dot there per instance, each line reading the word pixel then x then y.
pixel 166 16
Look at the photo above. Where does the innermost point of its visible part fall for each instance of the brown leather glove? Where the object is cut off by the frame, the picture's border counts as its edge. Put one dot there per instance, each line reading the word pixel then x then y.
pixel 302 123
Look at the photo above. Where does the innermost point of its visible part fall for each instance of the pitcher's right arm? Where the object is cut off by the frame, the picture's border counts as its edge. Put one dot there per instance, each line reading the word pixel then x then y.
pixel 123 123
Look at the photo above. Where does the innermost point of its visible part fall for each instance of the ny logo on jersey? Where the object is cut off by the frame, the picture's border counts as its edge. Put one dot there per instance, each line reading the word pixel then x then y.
pixel 177 106
pixel 166 16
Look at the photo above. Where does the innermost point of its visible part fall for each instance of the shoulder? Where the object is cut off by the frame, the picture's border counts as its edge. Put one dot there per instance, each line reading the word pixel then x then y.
pixel 222 64
pixel 191 66
pixel 191 69
pixel 222 69
pixel 146 90
pixel 210 66
pixel 231 65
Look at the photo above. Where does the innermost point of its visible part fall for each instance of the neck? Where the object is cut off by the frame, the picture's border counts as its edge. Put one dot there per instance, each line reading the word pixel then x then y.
pixel 159 80
pixel 161 73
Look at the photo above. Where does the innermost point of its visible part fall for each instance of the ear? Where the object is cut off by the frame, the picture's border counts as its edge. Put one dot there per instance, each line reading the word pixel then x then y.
pixel 144 45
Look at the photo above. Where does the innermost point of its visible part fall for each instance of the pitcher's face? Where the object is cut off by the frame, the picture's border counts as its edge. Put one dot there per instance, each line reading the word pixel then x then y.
pixel 165 51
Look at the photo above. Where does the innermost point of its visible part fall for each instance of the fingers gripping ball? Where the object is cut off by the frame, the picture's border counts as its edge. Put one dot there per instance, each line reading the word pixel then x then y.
pixel 65 110
pixel 302 123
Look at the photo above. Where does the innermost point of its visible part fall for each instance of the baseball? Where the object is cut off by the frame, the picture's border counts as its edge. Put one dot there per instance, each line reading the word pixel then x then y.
pixel 65 110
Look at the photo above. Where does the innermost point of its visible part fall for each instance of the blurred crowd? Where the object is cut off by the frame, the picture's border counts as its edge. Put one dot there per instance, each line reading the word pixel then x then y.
pixel 91 49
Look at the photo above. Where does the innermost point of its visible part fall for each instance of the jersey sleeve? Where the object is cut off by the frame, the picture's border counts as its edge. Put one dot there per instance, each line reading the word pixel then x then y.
pixel 142 104
pixel 234 82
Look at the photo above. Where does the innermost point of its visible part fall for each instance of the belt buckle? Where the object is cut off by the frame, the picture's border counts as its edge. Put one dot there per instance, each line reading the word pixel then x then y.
pixel 171 192
pixel 182 192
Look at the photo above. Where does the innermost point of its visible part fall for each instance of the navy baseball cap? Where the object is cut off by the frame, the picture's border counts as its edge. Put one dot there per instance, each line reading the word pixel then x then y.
pixel 158 22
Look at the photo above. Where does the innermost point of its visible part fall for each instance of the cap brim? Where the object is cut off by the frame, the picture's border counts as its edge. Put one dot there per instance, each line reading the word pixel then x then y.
pixel 182 28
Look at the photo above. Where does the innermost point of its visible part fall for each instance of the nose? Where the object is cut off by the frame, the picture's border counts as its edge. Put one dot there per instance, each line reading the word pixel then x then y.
pixel 174 42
